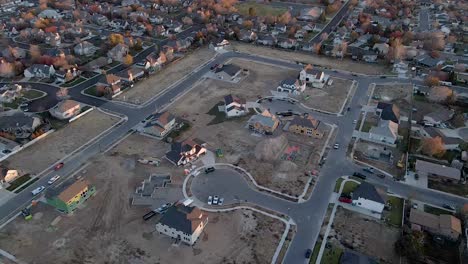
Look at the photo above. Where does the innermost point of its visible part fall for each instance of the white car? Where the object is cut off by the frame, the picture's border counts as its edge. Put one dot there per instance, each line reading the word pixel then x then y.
pixel 215 200
pixel 53 179
pixel 221 201
pixel 210 200
pixel 336 146
pixel 38 190
pixel 354 121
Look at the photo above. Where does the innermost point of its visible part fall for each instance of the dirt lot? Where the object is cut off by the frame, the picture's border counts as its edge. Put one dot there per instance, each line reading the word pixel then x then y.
pixel 147 88
pixel 399 94
pixel 347 65
pixel 379 156
pixel 61 142
pixel 237 142
pixel 365 235
pixel 331 98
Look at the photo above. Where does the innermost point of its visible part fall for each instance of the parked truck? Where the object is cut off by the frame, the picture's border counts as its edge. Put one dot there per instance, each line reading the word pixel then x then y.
pixel 150 161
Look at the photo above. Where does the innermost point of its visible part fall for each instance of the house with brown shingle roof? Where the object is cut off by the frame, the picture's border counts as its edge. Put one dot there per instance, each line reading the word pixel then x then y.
pixel 67 196
pixel 159 124
pixel 183 223
pixel 65 109
pixel 444 225
pixel 109 85
pixel 306 125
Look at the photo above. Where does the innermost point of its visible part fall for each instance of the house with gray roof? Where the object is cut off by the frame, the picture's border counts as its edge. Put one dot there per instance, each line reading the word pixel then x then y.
pixel 439 116
pixel 366 196
pixel 386 131
pixel 437 171
pixel 18 124
pixel 39 71
pixel 227 72
pixel 183 223
pixel 292 86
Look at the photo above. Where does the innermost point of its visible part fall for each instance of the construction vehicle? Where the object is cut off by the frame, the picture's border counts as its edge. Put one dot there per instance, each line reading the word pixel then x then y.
pixel 150 161
pixel 400 163
pixel 26 212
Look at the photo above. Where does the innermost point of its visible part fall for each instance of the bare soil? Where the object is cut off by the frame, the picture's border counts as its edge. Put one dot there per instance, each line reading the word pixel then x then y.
pixel 60 143
pixel 399 94
pixel 345 64
pixel 158 82
pixel 331 98
pixel 365 235
pixel 107 229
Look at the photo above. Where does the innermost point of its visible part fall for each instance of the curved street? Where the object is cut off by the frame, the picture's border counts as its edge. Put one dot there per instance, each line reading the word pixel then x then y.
pixel 307 215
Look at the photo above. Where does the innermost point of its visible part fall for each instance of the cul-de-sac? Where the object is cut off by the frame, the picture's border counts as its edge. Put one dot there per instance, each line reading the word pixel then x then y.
pixel 233 131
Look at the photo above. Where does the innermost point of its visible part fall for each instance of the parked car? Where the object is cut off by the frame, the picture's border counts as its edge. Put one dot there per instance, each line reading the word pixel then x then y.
pixel 359 175
pixel 214 67
pixel 59 166
pixel 354 121
pixel 448 206
pixel 221 201
pixel 381 176
pixel 345 200
pixel 209 169
pixel 38 190
pixel 53 179
pixel 210 200
pixel 308 253
pixel 369 170
pixel 336 146
pixel 215 200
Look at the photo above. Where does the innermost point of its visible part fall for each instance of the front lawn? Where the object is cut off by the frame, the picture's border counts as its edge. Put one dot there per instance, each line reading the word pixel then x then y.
pixel 396 213
pixel 349 187
pixel 32 94
pixel 17 182
pixel 331 255
pixel 91 91
pixel 74 82
pixel 435 211
pixel 260 9
pixel 315 252
pixel 15 103
pixel 338 184
pixel 366 127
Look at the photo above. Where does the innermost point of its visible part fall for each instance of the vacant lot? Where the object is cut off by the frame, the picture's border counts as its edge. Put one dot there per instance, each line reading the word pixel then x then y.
pixel 156 83
pixel 283 171
pixel 366 235
pixel 379 156
pixel 60 143
pixel 260 9
pixel 399 94
pixel 347 65
pixel 331 98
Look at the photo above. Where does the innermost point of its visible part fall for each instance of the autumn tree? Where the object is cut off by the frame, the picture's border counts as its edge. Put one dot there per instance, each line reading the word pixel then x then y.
pixel 138 45
pixel 285 18
pixel 441 94
pixel 128 60
pixel 433 146
pixel 115 39
pixel 252 12
pixel 432 81
pixel 248 24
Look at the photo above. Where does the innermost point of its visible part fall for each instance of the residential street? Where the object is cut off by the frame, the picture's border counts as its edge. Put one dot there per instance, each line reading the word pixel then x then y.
pixel 308 215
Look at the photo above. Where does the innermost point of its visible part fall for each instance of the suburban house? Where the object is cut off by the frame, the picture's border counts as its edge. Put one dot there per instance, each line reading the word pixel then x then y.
pixel 292 86
pixel 110 85
pixel 386 131
pixel 118 52
pixel 388 111
pixel 131 74
pixel 159 124
pixel 437 171
pixel 84 48
pixel 367 197
pixel 312 76
pixel 183 223
pixel 63 76
pixel 265 123
pixel 39 71
pixel 18 124
pixel 444 225
pixel 306 125
pixel 438 117
pixel 67 196
pixel 186 151
pixel 153 61
pixel 65 109
pixel 227 72
pixel 234 106
pixel 450 143
pixel 7 175
pixel 9 92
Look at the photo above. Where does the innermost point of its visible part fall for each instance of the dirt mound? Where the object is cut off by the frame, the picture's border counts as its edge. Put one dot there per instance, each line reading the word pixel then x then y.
pixel 268 149
pixel 286 166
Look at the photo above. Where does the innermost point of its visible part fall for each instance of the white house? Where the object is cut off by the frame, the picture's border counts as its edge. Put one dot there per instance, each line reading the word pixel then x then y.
pixel 7 175
pixel 183 223
pixel 367 197
pixel 10 92
pixel 186 151
pixel 84 48
pixel 234 106
pixel 386 131
pixel 39 71
pixel 312 76
pixel 292 86
pixel 65 109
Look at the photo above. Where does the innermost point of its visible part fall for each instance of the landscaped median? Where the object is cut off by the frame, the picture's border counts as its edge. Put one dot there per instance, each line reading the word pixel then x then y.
pixel 74 82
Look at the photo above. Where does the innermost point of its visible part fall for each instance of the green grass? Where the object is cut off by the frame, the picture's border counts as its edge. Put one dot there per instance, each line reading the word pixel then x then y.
pixel 15 103
pixel 219 116
pixel 74 82
pixel 260 9
pixel 177 132
pixel 349 187
pixel 420 97
pixel 315 252
pixel 435 211
pixel 32 94
pixel 397 210
pixel 84 108
pixel 450 155
pixel 27 185
pixel 366 127
pixel 338 184
pixel 91 91
pixel 17 182
pixel 331 255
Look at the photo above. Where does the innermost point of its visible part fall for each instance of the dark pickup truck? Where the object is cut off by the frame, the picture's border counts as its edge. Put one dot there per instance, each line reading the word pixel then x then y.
pixel 359 175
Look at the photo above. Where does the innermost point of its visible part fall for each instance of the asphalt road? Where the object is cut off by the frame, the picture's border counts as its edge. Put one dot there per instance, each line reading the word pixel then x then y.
pixel 332 24
pixel 308 215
